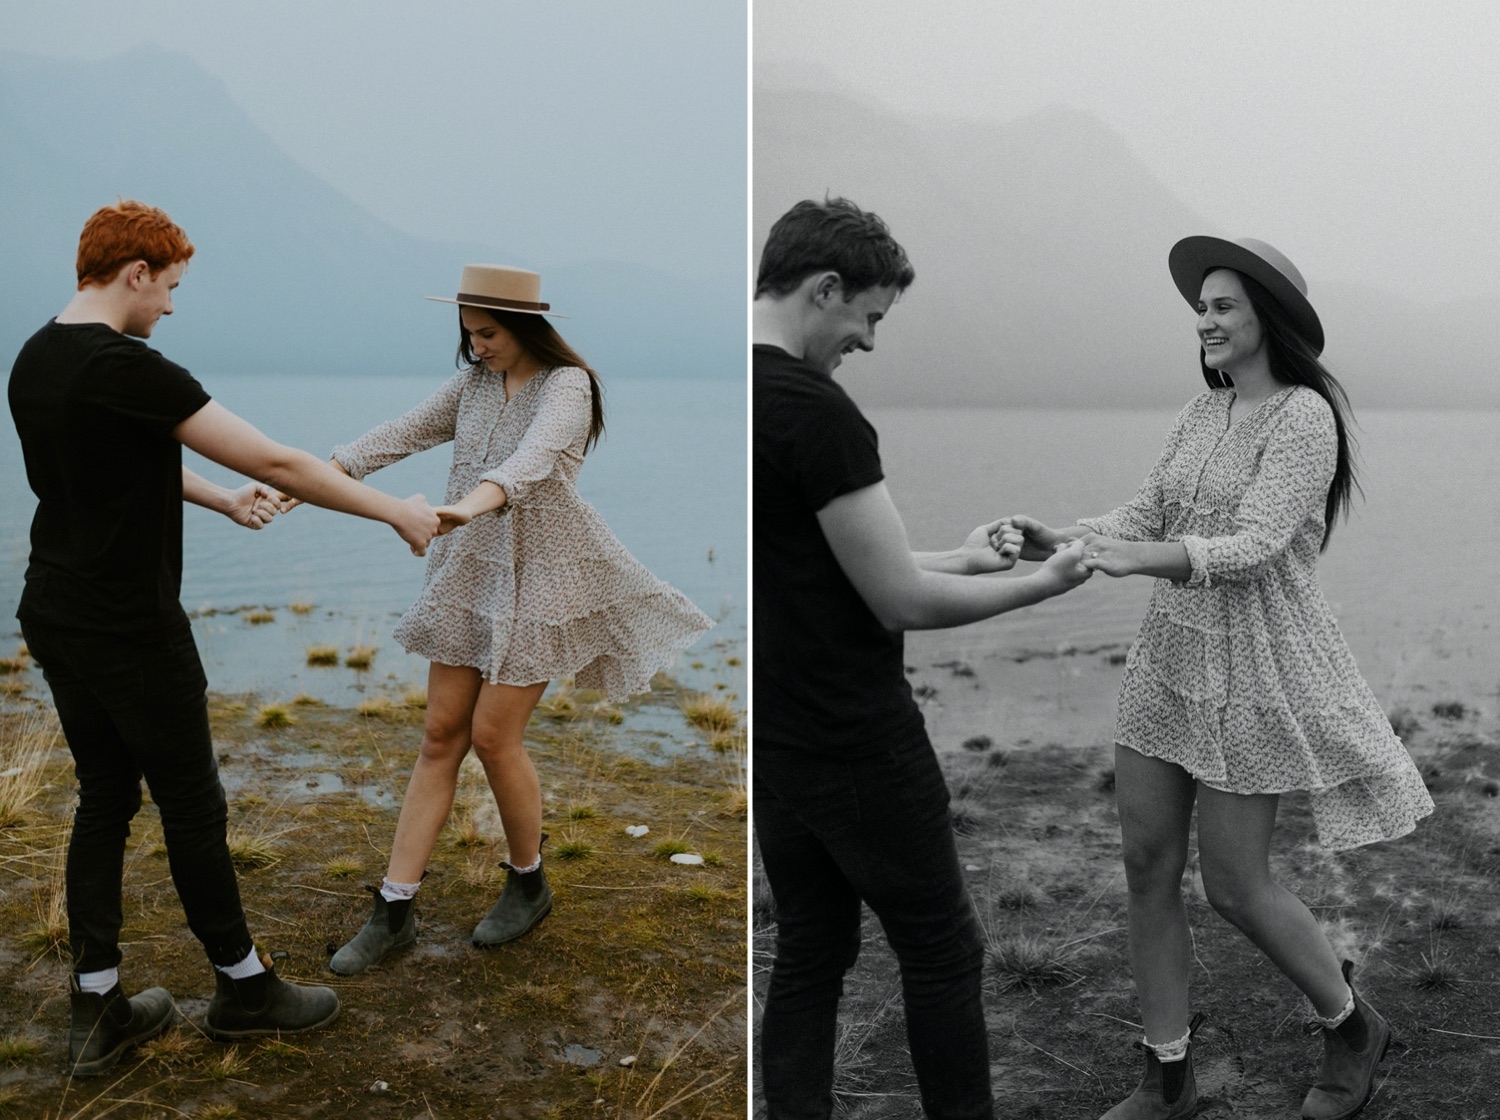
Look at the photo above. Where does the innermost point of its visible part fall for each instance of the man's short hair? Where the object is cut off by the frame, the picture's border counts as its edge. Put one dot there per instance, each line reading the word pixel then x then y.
pixel 124 232
pixel 831 236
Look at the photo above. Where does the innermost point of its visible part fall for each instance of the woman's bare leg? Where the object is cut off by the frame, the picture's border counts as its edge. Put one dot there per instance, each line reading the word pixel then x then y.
pixel 1234 840
pixel 452 692
pixel 500 718
pixel 1155 800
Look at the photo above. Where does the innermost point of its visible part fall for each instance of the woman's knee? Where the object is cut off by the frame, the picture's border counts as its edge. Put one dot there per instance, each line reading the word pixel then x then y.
pixel 497 748
pixel 1236 898
pixel 1153 871
pixel 445 741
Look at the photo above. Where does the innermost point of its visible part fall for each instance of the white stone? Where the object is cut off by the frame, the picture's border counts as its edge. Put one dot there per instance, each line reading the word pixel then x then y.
pixel 628 1061
pixel 684 857
pixel 636 830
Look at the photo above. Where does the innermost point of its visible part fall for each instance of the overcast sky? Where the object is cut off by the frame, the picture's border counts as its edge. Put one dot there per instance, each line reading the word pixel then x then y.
pixel 1360 138
pixel 625 122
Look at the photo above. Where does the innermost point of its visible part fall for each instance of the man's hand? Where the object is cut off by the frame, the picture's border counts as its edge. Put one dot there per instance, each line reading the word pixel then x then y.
pixel 991 548
pixel 1039 541
pixel 253 505
pixel 417 524
pixel 1065 569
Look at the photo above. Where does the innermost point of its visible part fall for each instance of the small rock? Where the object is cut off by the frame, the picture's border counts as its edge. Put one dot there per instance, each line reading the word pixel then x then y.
pixel 628 1061
pixel 685 857
pixel 380 1087
pixel 972 867
pixel 636 830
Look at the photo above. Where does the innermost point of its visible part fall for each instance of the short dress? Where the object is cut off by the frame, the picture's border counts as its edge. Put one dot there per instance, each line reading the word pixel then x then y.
pixel 1240 674
pixel 540 588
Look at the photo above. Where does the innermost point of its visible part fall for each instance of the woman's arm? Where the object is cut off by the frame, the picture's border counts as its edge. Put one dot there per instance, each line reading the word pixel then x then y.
pixel 428 424
pixel 562 420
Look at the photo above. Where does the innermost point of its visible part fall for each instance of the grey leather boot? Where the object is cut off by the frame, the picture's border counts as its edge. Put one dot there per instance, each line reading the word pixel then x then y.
pixel 1347 1076
pixel 1164 1093
pixel 524 901
pixel 392 926
pixel 103 1027
pixel 265 1004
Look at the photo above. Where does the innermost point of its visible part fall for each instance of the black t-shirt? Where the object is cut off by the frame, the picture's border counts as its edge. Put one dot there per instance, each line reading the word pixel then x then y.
pixel 829 677
pixel 95 411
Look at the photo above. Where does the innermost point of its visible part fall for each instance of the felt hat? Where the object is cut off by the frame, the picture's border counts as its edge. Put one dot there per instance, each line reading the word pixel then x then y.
pixel 499 287
pixel 1192 258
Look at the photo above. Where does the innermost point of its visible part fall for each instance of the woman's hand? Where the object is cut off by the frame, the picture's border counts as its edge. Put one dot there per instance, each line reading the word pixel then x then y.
pixel 253 505
pixel 452 517
pixel 1039 541
pixel 1112 557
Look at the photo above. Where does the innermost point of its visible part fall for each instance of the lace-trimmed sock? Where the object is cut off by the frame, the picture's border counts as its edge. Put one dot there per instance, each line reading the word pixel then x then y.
pixel 395 892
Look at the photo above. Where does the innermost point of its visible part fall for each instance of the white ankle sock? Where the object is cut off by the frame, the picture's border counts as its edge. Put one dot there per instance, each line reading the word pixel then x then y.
pixel 250 966
pixel 395 892
pixel 527 870
pixel 1169 1051
pixel 98 982
pixel 1340 1017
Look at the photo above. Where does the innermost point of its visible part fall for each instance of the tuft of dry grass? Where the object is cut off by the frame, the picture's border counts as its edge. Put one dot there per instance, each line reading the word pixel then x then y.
pixel 342 868
pixel 573 847
pixel 171 1047
pixel 710 713
pixel 376 707
pixel 18 1048
pixel 415 698
pixel 228 1065
pixel 24 750
pixel 259 618
pixel 1031 961
pixel 558 704
pixel 301 607
pixel 361 657
pixel 669 848
pixel 322 655
pixel 47 936
pixel 274 716
pixel 582 812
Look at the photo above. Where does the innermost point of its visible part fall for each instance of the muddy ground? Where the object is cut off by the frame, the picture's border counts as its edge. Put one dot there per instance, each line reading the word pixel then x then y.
pixel 1039 837
pixel 627 1002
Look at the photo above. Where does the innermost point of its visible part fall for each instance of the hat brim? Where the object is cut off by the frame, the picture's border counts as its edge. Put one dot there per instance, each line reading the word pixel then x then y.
pixel 1192 258
pixel 491 307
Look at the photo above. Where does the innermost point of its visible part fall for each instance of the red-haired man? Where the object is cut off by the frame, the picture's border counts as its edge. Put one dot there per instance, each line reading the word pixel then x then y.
pixel 102 419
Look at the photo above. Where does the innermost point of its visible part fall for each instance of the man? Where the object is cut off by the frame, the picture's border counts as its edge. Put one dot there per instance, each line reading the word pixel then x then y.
pixel 850 802
pixel 102 419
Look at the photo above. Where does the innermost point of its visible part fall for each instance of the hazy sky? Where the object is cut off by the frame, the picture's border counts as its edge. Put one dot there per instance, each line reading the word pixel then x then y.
pixel 1360 138
pixel 613 129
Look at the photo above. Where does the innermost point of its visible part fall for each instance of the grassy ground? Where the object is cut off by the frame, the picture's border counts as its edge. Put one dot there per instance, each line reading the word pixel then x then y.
pixel 627 1002
pixel 1038 836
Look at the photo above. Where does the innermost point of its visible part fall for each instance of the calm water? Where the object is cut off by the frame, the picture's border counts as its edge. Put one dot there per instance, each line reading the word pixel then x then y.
pixel 668 477
pixel 1412 576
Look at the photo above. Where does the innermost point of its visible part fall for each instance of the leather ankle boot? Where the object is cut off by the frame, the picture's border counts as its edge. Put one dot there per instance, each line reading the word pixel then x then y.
pixel 1347 1076
pixel 524 901
pixel 102 1027
pixel 1154 1098
pixel 392 926
pixel 265 1004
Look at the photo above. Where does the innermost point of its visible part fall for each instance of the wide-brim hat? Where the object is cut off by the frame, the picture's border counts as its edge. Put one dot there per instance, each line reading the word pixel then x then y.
pixel 499 287
pixel 1193 258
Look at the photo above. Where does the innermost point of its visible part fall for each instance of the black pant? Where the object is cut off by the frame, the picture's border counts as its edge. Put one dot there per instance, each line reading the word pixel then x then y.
pixel 132 708
pixel 833 834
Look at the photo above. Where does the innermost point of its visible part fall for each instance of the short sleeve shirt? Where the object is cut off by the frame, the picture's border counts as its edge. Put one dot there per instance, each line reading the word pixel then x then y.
pixel 95 411
pixel 829 678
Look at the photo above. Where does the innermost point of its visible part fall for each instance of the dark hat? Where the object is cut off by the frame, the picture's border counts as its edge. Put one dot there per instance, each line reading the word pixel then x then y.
pixel 1192 258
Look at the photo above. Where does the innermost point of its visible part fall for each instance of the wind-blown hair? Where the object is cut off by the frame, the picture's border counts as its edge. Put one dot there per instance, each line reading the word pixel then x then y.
pixel 540 339
pixel 128 231
pixel 1293 363
pixel 831 236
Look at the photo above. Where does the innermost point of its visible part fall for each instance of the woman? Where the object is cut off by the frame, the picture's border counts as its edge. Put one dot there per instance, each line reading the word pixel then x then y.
pixel 526 585
pixel 1240 686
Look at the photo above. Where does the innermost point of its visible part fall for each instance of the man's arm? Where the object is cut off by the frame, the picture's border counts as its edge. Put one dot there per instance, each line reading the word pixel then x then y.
pixel 868 539
pixel 252 505
pixel 989 548
pixel 218 434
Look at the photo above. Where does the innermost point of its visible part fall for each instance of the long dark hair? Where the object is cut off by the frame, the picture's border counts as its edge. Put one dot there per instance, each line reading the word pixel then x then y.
pixel 1293 362
pixel 540 339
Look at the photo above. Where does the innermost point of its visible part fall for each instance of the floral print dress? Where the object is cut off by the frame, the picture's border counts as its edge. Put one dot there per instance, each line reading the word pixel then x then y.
pixel 540 588
pixel 1240 674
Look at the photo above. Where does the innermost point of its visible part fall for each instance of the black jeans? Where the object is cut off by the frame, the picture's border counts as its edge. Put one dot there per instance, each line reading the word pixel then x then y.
pixel 132 708
pixel 833 834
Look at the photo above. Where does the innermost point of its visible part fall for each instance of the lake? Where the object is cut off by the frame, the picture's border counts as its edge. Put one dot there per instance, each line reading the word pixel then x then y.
pixel 668 477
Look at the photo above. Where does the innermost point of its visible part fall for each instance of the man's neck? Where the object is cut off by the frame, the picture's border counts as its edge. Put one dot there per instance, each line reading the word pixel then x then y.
pixel 94 305
pixel 776 323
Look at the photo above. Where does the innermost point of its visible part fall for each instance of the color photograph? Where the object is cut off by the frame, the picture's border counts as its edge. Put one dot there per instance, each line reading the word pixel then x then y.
pixel 373 709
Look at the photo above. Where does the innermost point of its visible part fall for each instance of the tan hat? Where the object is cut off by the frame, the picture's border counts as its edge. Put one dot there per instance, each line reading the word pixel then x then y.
pixel 500 287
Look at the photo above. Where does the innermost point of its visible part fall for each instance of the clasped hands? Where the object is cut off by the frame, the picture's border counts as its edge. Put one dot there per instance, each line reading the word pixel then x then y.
pixel 255 504
pixel 1038 542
